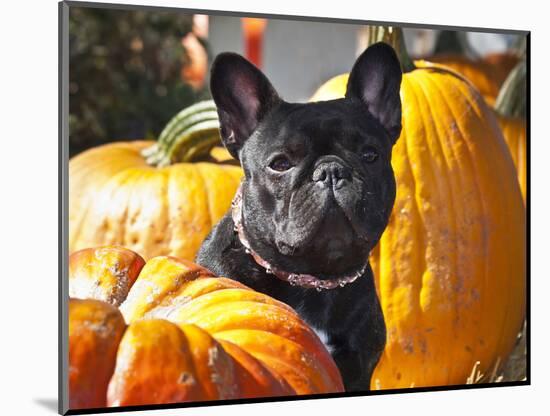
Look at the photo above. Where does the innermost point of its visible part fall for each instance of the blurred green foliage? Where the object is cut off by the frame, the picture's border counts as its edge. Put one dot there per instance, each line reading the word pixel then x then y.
pixel 125 74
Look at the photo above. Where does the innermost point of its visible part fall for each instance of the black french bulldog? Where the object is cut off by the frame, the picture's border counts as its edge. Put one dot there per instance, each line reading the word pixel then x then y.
pixel 317 195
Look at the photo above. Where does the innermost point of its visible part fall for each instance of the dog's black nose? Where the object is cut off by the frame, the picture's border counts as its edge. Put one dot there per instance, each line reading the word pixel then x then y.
pixel 332 174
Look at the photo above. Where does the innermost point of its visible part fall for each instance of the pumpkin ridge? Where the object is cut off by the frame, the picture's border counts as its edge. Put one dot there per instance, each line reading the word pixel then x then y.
pixel 192 359
pixel 320 385
pixel 214 384
pixel 117 227
pixel 207 197
pixel 273 315
pixel 507 325
pixel 169 307
pixel 449 182
pixel 157 183
pixel 506 312
pixel 387 277
pixel 420 236
pixel 125 221
pixel 88 334
pixel 168 207
pixel 209 284
pixel 463 270
pixel 202 312
pixel 238 354
pixel 221 169
pixel 274 364
pixel 151 209
pixel 155 291
pixel 172 209
pixel 453 183
pixel 459 271
pixel 205 300
pixel 472 165
pixel 418 175
pixel 443 175
pixel 311 366
pixel 191 205
pixel 130 387
pixel 417 178
pixel 485 210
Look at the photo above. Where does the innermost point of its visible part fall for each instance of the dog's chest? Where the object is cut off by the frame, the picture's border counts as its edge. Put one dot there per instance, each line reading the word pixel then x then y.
pixel 318 323
pixel 323 336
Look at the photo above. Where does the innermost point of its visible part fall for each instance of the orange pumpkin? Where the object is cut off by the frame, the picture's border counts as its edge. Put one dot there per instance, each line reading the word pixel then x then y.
pixel 510 108
pixel 487 74
pixel 450 268
pixel 171 332
pixel 139 195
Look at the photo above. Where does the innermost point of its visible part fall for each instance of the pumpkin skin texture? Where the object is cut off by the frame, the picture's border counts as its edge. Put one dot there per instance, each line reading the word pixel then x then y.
pixel 115 197
pixel 120 269
pixel 450 267
pixel 514 131
pixel 191 336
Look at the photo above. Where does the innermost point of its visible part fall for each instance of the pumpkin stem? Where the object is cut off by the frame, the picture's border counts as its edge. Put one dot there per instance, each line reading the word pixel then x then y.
pixel 511 98
pixel 394 37
pixel 454 42
pixel 190 135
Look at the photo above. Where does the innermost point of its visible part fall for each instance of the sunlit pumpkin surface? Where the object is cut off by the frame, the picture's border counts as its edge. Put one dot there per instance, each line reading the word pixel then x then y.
pixel 181 334
pixel 450 267
pixel 115 197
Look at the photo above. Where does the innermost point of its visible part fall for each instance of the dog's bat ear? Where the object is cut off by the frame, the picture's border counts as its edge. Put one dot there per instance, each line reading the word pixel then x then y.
pixel 375 79
pixel 243 96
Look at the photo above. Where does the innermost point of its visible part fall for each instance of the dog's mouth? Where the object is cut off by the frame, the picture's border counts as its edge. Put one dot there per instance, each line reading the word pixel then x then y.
pixel 318 221
pixel 331 247
pixel 329 258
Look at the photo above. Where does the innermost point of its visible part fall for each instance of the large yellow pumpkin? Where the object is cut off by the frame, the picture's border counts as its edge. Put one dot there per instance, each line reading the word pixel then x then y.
pixel 450 268
pixel 137 194
pixel 169 331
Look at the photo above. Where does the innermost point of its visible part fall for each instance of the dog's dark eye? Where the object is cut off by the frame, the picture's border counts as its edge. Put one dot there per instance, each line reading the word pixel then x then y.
pixel 280 164
pixel 370 155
